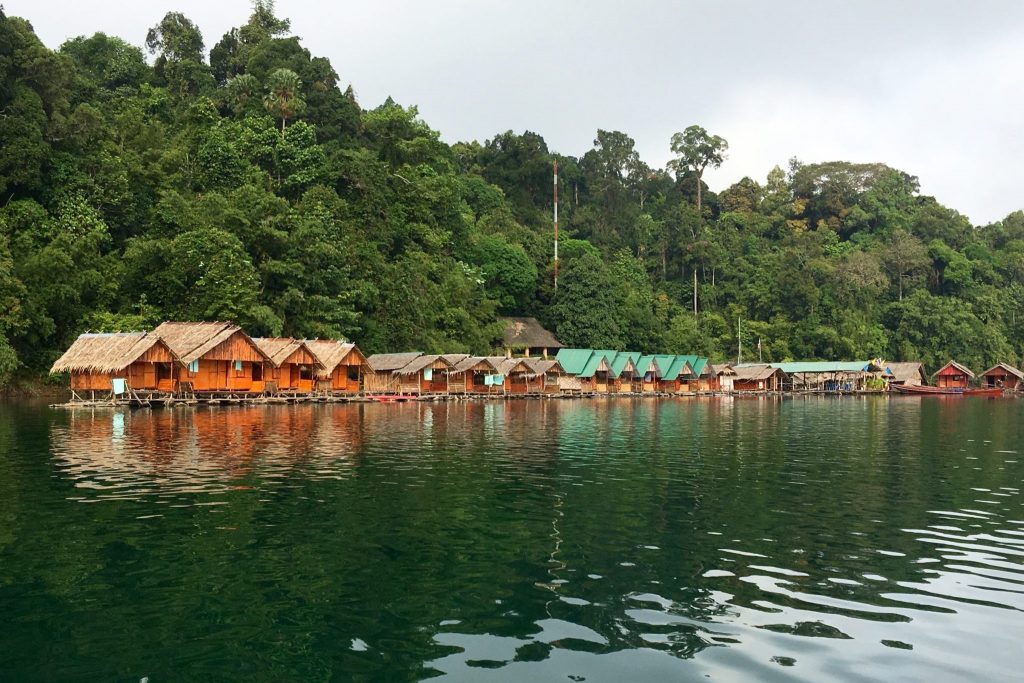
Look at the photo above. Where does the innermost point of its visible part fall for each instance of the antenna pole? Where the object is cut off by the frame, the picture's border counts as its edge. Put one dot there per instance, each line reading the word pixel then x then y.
pixel 554 163
pixel 739 339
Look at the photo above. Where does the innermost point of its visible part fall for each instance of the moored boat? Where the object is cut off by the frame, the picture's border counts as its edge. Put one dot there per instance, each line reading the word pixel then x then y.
pixel 947 391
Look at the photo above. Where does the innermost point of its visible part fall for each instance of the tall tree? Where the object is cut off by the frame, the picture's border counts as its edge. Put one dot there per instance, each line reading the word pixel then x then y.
pixel 696 150
pixel 284 96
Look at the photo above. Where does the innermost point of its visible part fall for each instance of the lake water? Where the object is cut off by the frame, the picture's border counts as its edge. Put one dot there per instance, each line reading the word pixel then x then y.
pixel 606 540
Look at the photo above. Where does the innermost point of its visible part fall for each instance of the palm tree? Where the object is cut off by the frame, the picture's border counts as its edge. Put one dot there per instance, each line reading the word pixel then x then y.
pixel 283 98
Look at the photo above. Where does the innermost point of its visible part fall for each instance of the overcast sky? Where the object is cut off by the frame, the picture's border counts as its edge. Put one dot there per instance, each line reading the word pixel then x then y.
pixel 934 88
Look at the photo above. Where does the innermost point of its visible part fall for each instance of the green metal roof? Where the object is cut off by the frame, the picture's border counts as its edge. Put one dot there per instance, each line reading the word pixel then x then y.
pixel 643 366
pixel 698 366
pixel 574 360
pixel 822 366
pixel 622 359
pixel 680 365
pixel 593 364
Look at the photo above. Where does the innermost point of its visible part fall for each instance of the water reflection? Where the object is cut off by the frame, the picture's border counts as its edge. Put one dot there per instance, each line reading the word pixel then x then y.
pixel 610 540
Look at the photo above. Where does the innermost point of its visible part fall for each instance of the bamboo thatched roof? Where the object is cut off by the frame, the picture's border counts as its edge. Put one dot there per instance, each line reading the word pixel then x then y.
pixel 279 349
pixel 471 362
pixel 105 352
pixel 508 365
pixel 907 371
pixel 191 341
pixel 422 363
pixel 455 358
pixel 390 362
pixel 527 333
pixel 542 367
pixel 330 352
pixel 755 372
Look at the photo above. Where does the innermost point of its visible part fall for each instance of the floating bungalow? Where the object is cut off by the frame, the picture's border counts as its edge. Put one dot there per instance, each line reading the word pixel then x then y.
pixel 590 368
pixel 546 378
pixel 473 375
pixel 909 374
pixel 830 376
pixel 757 378
pixel 407 373
pixel 340 367
pixel 625 378
pixel 110 365
pixel 723 375
pixel 1002 376
pixel 526 337
pixel 649 370
pixel 515 374
pixel 292 367
pixel 218 358
pixel 952 375
pixel 676 378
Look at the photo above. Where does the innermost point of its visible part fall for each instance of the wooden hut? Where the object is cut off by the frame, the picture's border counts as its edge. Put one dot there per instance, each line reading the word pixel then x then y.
pixel 573 362
pixel 650 371
pixel 757 378
pixel 676 373
pixel 723 375
pixel 380 377
pixel 292 368
pixel 546 376
pixel 473 375
pixel 116 364
pixel 625 379
pixel 1002 375
pixel 909 374
pixel 515 374
pixel 341 366
pixel 952 375
pixel 425 375
pixel 525 337
pixel 218 358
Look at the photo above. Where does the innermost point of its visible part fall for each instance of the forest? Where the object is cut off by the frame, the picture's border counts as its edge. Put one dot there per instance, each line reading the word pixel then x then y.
pixel 242 181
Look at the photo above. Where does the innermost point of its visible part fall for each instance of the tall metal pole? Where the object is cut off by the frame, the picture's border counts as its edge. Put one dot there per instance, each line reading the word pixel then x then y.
pixel 739 339
pixel 554 163
pixel 695 291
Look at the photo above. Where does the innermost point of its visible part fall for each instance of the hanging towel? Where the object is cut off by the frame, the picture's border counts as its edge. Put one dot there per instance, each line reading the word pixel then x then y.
pixel 238 366
pixel 193 367
pixel 487 380
pixel 119 386
pixel 428 374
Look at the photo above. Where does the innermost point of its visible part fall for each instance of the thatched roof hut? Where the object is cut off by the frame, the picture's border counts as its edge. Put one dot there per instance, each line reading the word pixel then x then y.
pixel 190 341
pixel 107 353
pixel 390 362
pixel 284 349
pixel 330 353
pixel 421 363
pixel 525 333
pixel 909 373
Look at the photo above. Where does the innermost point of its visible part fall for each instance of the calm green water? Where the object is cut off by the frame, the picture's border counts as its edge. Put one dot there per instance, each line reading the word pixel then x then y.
pixel 820 539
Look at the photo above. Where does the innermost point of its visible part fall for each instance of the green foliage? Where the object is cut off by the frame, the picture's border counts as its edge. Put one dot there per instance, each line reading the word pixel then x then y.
pixel 254 188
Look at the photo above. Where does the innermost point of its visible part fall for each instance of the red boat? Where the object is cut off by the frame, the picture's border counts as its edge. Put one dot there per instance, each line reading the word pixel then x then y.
pixel 947 391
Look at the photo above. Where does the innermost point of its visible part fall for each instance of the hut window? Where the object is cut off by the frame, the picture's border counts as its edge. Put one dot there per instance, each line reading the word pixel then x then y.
pixel 305 372
pixel 193 367
pixel 238 366
pixel 353 372
pixel 257 372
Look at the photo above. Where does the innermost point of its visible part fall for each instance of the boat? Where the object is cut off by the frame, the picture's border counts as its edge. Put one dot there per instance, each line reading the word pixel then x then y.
pixel 947 391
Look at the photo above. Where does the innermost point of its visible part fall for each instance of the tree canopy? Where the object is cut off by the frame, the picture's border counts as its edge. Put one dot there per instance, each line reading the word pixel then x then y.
pixel 250 184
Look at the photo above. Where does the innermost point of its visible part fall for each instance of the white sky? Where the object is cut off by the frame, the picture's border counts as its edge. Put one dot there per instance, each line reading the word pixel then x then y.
pixel 932 87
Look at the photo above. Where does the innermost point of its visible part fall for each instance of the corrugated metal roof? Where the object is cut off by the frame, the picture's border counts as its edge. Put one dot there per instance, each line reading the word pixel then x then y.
pixel 598 361
pixel 681 365
pixel 649 364
pixel 623 361
pixel 574 360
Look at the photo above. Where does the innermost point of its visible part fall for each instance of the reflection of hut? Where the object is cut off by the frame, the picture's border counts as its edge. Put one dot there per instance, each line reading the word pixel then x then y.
pixel 1002 375
pixel 380 377
pixel 341 366
pixel 953 375
pixel 757 378
pixel 218 357
pixel 118 363
pixel 472 375
pixel 910 374
pixel 292 365
pixel 524 336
